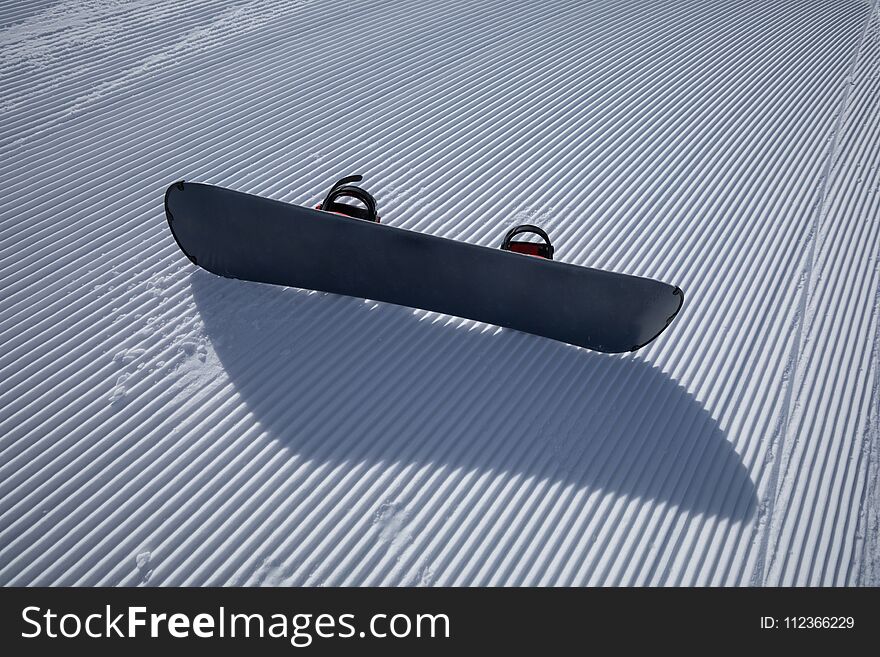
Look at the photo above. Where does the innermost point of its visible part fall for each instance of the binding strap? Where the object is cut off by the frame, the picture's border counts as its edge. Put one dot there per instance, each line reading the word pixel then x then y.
pixel 544 250
pixel 343 189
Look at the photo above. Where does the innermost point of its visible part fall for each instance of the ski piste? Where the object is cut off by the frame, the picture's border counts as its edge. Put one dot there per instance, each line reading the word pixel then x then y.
pixel 342 248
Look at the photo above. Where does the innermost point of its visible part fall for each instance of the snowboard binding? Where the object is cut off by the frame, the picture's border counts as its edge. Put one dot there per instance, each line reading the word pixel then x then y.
pixel 343 189
pixel 544 250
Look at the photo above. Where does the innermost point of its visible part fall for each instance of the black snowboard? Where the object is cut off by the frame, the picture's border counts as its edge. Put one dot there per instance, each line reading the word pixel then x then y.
pixel 258 239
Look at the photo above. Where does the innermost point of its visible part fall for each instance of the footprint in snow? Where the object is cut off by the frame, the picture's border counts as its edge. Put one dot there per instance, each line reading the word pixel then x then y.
pixel 120 390
pixel 142 561
pixel 391 519
pixel 127 356
pixel 193 349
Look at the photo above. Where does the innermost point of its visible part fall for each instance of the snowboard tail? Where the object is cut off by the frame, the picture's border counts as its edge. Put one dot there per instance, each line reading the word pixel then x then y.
pixel 253 238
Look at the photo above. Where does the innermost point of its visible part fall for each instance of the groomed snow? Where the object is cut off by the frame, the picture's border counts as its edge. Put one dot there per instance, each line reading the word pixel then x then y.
pixel 159 425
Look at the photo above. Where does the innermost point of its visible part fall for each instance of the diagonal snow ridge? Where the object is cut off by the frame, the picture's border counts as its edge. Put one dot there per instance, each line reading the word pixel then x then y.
pixel 160 426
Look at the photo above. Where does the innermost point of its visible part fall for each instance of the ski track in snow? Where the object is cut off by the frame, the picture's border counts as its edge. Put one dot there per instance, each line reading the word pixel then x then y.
pixel 161 426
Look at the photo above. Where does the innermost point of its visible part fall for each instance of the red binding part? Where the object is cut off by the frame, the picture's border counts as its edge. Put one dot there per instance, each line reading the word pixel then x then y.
pixel 529 248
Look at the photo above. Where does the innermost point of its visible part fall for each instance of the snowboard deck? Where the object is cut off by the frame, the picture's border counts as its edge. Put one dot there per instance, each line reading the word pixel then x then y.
pixel 253 238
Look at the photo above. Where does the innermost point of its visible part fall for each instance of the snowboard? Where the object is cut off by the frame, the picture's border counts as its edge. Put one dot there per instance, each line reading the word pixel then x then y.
pixel 238 235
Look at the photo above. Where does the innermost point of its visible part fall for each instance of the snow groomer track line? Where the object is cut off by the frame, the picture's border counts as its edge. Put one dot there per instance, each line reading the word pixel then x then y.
pixel 160 425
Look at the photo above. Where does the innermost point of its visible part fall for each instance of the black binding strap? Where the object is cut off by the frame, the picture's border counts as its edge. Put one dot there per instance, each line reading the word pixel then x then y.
pixel 342 189
pixel 530 248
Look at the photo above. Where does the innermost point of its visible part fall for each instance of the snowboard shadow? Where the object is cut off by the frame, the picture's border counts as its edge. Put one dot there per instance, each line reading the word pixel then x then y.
pixel 340 379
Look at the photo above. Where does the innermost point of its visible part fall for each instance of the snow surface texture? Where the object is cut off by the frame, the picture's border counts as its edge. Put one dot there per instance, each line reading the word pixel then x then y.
pixel 160 425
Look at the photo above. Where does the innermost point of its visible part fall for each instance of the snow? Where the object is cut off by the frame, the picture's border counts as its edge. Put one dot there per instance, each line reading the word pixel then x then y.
pixel 162 426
